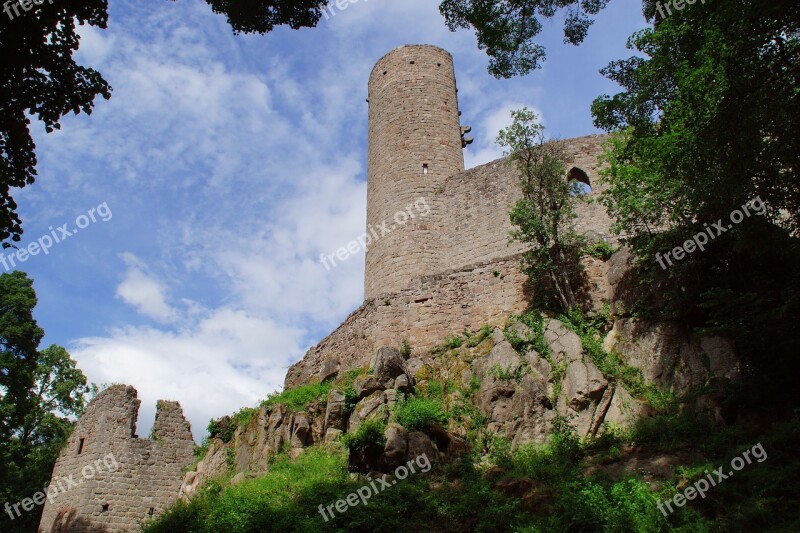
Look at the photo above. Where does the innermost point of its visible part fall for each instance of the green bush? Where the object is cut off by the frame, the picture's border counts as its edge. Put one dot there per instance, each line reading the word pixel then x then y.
pixel 298 398
pixel 601 250
pixel 420 414
pixel 222 429
pixel 405 349
pixel 369 435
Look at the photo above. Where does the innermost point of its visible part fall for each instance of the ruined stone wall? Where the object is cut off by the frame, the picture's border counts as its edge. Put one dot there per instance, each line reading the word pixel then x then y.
pixel 432 308
pixel 414 145
pixel 474 223
pixel 130 479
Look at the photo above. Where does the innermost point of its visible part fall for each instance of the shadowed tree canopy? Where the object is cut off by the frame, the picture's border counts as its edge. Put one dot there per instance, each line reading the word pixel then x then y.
pixel 39 77
pixel 507 29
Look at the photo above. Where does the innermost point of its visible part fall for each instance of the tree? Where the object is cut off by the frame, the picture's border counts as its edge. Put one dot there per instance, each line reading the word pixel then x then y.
pixel 40 392
pixel 507 30
pixel 40 78
pixel 707 123
pixel 544 216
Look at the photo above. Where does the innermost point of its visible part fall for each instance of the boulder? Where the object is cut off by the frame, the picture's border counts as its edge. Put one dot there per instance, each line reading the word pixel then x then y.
pixel 301 430
pixel 387 364
pixel 404 383
pixel 330 368
pixel 395 449
pixel 366 409
pixel 583 383
pixel 366 385
pixel 334 412
pixel 419 445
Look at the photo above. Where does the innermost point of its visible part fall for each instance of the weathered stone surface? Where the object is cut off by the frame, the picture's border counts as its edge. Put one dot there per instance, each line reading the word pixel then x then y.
pixel 671 357
pixel 502 357
pixel 301 429
pixel 131 475
pixel 404 383
pixel 370 407
pixel 624 409
pixel 331 434
pixel 498 336
pixel 419 444
pixel 388 364
pixel 395 449
pixel 564 343
pixel 583 383
pixel 334 411
pixel 366 385
pixel 329 369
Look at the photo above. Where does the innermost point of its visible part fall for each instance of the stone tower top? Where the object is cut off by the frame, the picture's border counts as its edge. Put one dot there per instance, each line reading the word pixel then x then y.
pixel 415 143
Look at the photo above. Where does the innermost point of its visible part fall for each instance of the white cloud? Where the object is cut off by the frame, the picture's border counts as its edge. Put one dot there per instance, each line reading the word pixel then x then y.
pixel 144 293
pixel 225 361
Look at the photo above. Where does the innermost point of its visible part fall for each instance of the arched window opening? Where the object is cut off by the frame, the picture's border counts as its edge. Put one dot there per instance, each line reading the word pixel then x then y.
pixel 578 182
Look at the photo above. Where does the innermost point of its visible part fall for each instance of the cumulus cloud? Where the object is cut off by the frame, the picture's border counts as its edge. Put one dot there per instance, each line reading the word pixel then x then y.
pixel 144 293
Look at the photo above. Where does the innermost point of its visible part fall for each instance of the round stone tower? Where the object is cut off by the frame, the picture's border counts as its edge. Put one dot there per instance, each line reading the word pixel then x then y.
pixel 415 143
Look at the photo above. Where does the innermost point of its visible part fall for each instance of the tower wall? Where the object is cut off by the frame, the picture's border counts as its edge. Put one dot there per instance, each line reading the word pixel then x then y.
pixel 414 145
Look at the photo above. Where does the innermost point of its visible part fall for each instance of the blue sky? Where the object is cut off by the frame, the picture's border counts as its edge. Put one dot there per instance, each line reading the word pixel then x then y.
pixel 229 164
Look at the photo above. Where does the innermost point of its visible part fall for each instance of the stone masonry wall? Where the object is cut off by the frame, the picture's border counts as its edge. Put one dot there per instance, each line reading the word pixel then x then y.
pixel 414 145
pixel 480 282
pixel 474 224
pixel 129 478
pixel 432 308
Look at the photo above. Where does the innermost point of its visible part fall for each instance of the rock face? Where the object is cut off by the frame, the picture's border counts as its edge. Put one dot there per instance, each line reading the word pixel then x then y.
pixel 121 479
pixel 673 358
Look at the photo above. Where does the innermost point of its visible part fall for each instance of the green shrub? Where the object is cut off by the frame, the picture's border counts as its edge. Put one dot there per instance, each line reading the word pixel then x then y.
pixel 369 435
pixel 405 349
pixel 350 399
pixel 474 339
pixel 222 429
pixel 420 414
pixel 601 250
pixel 453 342
pixel 298 398
pixel 534 339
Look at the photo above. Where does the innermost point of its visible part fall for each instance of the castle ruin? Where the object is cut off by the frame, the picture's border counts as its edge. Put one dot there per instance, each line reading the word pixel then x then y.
pixel 454 269
pixel 114 480
pixel 451 271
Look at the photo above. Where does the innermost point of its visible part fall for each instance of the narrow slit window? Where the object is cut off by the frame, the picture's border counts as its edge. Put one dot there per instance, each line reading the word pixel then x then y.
pixel 425 169
pixel 104 507
pixel 80 446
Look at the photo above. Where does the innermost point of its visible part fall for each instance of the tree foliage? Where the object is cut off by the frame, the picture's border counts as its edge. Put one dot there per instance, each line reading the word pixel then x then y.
pixel 39 393
pixel 544 216
pixel 707 122
pixel 507 30
pixel 261 16
pixel 40 78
